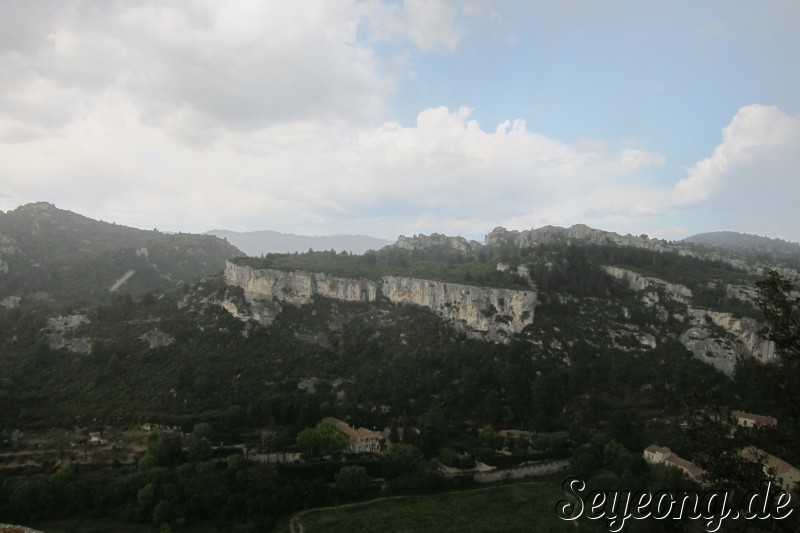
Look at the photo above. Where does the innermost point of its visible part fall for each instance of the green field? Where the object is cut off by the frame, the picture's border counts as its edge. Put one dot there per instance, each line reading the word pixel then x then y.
pixel 518 507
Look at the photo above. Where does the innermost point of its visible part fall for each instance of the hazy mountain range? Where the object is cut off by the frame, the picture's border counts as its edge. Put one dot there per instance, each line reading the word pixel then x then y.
pixel 255 243
pixel 732 239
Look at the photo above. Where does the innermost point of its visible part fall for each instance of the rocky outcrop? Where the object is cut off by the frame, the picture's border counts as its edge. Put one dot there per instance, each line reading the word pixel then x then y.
pixel 491 314
pixel 716 338
pixel 62 323
pixel 421 242
pixel 297 288
pixel 579 233
pixel 157 339
pixel 521 270
pixel 79 345
pixel 10 302
pixel 266 290
pixel 720 339
pixel 637 282
pixel 59 334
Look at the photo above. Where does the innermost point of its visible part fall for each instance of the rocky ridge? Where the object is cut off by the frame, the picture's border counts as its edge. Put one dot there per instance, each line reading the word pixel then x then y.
pixel 716 338
pixel 577 233
pixel 583 234
pixel 486 313
pixel 421 241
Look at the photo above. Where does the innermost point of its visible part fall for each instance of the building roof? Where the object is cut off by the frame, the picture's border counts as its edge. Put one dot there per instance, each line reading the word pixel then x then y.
pixel 350 432
pixel 778 465
pixel 689 467
pixel 655 448
pixel 758 419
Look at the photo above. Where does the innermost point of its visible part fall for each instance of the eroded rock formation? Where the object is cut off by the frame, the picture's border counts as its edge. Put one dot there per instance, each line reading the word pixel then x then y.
pixel 491 314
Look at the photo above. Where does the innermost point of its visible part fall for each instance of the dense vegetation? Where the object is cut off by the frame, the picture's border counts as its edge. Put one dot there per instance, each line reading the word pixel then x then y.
pixel 579 379
pixel 62 257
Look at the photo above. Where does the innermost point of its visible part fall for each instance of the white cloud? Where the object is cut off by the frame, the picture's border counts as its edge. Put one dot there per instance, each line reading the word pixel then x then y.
pixel 428 24
pixel 748 184
pixel 253 115
pixel 445 173
pixel 756 131
pixel 239 64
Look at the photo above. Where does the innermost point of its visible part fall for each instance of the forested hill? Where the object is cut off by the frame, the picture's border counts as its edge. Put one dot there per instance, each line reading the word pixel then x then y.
pixel 734 240
pixel 618 342
pixel 50 254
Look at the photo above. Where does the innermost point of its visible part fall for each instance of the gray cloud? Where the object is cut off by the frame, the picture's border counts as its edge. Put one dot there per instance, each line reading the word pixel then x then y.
pixel 239 64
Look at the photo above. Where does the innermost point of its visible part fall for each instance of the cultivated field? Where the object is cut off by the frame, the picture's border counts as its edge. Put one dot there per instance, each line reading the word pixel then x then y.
pixel 518 507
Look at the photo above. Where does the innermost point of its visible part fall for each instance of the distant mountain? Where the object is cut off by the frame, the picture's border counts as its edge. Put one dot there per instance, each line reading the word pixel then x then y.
pixel 732 239
pixel 51 254
pixel 255 243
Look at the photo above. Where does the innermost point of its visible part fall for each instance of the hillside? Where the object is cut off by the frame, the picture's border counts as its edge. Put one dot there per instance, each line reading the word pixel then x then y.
pixel 745 241
pixel 590 344
pixel 50 254
pixel 577 313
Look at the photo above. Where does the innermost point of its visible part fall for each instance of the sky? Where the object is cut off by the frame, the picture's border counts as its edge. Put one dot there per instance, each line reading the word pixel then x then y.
pixel 384 118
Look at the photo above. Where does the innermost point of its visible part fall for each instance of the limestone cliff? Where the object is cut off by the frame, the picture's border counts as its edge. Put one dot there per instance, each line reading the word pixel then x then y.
pixel 491 314
pixel 579 233
pixel 421 242
pixel 716 338
pixel 720 339
pixel 266 289
pixel 637 282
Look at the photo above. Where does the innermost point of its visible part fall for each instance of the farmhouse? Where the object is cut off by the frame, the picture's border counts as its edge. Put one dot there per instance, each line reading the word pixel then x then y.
pixel 359 440
pixel 749 420
pixel 787 475
pixel 655 454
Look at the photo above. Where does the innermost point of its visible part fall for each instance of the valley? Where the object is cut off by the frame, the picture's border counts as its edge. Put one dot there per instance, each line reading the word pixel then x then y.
pixel 449 363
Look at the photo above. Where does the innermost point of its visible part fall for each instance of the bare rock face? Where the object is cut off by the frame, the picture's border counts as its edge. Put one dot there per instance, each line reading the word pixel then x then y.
pixel 716 338
pixel 577 233
pixel 720 339
pixel 297 288
pixel 491 314
pixel 59 334
pixel 157 339
pixel 494 313
pixel 637 282
pixel 62 323
pixel 10 302
pixel 266 290
pixel 420 242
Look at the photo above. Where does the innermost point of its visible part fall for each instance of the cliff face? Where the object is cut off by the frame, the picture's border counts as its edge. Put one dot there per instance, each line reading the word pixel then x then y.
pixel 578 233
pixel 739 339
pixel 716 338
pixel 494 313
pixel 266 290
pixel 297 288
pixel 491 314
pixel 421 242
pixel 637 282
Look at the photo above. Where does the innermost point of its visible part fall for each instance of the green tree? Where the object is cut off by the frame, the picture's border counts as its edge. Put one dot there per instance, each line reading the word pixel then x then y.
pixel 198 443
pixel 163 449
pixel 781 307
pixel 402 459
pixel 322 439
pixel 352 482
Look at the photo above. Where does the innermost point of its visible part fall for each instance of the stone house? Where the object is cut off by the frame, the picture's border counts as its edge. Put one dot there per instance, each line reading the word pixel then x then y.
pixel 749 420
pixel 655 454
pixel 787 475
pixel 361 440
